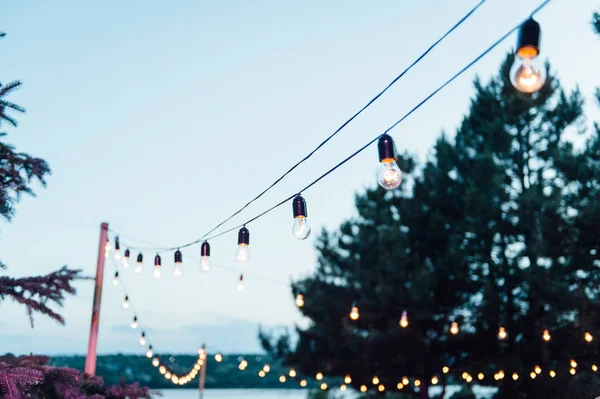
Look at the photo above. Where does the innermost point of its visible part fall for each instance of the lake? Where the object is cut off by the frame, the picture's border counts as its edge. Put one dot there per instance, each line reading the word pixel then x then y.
pixel 480 392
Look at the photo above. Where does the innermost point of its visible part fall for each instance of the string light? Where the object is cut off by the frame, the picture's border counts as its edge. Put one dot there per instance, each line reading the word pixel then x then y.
pixel 242 253
pixel 292 373
pixel 375 380
pixel 240 285
pixel 116 279
pixel 528 73
pixel 501 375
pixel 533 375
pixel 343 388
pixel 434 380
pixel 126 258
pixel 138 266
pixel 594 368
pixel 354 315
pixel 178 261
pixel 117 249
pixel 205 257
pixel 515 376
pixel 157 264
pixel 381 388
pixel 588 337
pixel 400 386
pixel 301 229
pixel 218 358
pixel 162 369
pixel 300 300
pixel 363 388
pixel 546 335
pixel 168 375
pixel 389 175
pixel 155 362
pixel 538 370
pixel 319 376
pixel 573 363
pixel 303 383
pixel 134 323
pixel 404 320
pixel 262 374
pixel 267 368
pixel 143 339
pixel 502 334
pixel 126 302
pixel 454 328
pixel 405 381
pixel 469 379
pixel 480 376
pixel 445 369
pixel 324 386
pixel 347 379
pixel 149 352
pixel 282 378
pixel 572 371
pixel 552 373
pixel 417 383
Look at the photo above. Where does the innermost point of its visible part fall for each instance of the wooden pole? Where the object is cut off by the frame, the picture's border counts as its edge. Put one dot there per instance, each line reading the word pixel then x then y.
pixel 203 372
pixel 90 359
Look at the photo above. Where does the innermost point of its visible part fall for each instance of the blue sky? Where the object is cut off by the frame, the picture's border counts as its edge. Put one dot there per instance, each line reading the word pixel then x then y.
pixel 162 118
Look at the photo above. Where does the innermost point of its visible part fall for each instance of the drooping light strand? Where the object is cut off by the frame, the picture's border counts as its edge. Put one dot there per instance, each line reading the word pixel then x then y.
pixel 126 258
pixel 528 73
pixel 143 338
pixel 157 264
pixel 205 257
pixel 301 229
pixel 117 248
pixel 240 285
pixel 178 261
pixel 138 265
pixel 115 280
pixel 354 315
pixel 404 319
pixel 300 300
pixel 389 175
pixel 242 253
pixel 134 323
pixel 126 302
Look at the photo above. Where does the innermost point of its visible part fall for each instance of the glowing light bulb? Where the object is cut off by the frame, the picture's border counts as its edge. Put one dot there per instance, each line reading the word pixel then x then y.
pixel 178 261
pixel 126 258
pixel 501 375
pixel 363 388
pixel 175 379
pixel 218 358
pixel 417 383
pixel 552 373
pixel 594 368
pixel 126 303
pixel 168 375
pixel 400 385
pixel 117 249
pixel 242 253
pixel 404 320
pixel 162 369
pixel 143 339
pixel 301 229
pixel 389 175
pixel 107 246
pixel 282 379
pixel 149 352
pixel 347 380
pixel 292 373
pixel 533 375
pixel 303 383
pixel 266 368
pixel 157 265
pixel 262 374
pixel 434 380
pixel 381 388
pixel 454 328
pixel 205 257
pixel 240 285
pixel 134 323
pixel 155 362
pixel 502 333
pixel 588 337
pixel 343 387
pixel 116 279
pixel 528 73
pixel 300 300
pixel 405 380
pixel 537 370
pixel 319 376
pixel 572 371
pixel 324 386
pixel 354 315
pixel 573 363
pixel 546 336
pixel 480 376
pixel 445 369
pixel 375 380
pixel 138 266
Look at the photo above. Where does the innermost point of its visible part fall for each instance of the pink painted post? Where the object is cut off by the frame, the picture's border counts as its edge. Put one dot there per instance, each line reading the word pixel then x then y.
pixel 203 372
pixel 90 360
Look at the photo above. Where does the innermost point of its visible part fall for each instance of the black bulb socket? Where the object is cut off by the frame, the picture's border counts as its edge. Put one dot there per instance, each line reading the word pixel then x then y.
pixel 117 246
pixel 528 42
pixel 387 148
pixel 157 260
pixel 127 253
pixel 244 236
pixel 140 258
pixel 178 257
pixel 205 249
pixel 299 206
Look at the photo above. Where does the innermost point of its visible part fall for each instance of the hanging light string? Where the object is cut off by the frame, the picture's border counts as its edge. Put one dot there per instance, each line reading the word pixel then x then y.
pixel 208 236
pixel 177 379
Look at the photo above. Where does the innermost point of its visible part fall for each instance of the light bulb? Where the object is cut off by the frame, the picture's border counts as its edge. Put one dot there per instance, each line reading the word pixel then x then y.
pixel 515 376
pixel 319 376
pixel 116 279
pixel 292 373
pixel 218 358
pixel 126 303
pixel 480 376
pixel 267 368
pixel 528 75
pixel 282 378
pixel 134 323
pixel 588 337
pixel 347 380
pixel 537 370
pixel 242 253
pixel 389 175
pixel 301 229
pixel 418 382
pixel 552 373
pixel 162 369
pixel 546 336
pixel 454 328
pixel 205 257
pixel 138 266
pixel 375 380
pixel 240 286
pixel 155 362
pixel 572 371
pixel 178 261
pixel 117 249
pixel 445 369
pixel 324 386
pixel 143 339
pixel 404 320
pixel 126 258
pixel 354 315
pixel 107 246
pixel 300 300
pixel 363 388
pixel 149 352
pixel 502 333
pixel 573 363
pixel 303 383
pixel 343 388
pixel 157 264
pixel 434 380
pixel 405 380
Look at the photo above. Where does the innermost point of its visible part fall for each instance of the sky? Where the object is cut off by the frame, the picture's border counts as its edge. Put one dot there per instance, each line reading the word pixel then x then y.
pixel 163 118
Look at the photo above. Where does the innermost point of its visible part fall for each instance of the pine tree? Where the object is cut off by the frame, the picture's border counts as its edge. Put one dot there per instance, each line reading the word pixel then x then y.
pixel 495 230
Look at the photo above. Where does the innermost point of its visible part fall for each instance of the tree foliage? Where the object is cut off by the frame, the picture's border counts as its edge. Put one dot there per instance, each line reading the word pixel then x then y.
pixel 499 228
